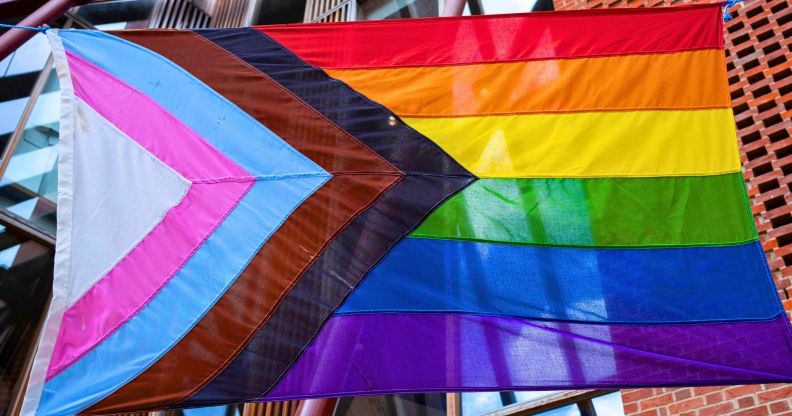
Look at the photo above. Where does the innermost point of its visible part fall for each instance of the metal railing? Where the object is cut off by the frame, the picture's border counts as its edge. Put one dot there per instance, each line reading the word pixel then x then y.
pixel 330 10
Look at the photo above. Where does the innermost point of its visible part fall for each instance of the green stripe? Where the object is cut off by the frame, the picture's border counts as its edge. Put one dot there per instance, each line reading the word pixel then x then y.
pixel 598 212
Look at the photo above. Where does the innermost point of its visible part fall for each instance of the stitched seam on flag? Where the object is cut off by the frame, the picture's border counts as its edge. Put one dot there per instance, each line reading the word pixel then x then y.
pixel 772 288
pixel 54 315
pixel 640 351
pixel 155 292
pixel 578 111
pixel 587 12
pixel 553 385
pixel 69 362
pixel 149 227
pixel 288 289
pixel 307 175
pixel 768 280
pixel 256 178
pixel 225 159
pixel 612 175
pixel 552 58
pixel 584 246
pixel 650 353
pixel 201 84
pixel 298 99
pixel 220 294
pixel 725 86
pixel 282 296
pixel 747 210
pixel 458 311
pixel 364 97
pixel 362 279
pixel 772 376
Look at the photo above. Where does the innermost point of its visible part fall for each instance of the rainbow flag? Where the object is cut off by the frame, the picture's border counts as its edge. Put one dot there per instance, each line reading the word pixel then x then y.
pixel 513 202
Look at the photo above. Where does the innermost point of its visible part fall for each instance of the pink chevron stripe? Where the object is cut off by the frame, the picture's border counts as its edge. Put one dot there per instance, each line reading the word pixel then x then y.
pixel 218 185
pixel 149 124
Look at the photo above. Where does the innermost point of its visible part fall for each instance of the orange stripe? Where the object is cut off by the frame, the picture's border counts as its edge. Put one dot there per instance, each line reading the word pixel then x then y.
pixel 684 80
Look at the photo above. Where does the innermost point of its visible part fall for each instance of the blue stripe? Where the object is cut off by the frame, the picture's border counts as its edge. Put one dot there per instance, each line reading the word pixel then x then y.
pixel 181 303
pixel 212 116
pixel 658 285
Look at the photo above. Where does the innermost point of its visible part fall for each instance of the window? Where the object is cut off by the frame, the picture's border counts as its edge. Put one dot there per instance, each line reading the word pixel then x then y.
pixel 548 403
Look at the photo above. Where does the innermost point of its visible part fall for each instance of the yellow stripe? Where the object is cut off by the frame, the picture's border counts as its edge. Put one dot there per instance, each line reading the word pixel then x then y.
pixel 685 80
pixel 594 144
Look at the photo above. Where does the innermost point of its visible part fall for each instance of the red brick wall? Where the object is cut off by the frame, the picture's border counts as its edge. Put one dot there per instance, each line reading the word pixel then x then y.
pixel 759 51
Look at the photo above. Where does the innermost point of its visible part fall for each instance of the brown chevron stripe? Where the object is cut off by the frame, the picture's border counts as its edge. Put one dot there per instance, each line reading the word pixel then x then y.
pixel 361 176
pixel 271 104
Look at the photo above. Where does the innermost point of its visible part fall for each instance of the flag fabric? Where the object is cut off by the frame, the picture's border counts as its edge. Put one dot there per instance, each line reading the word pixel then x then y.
pixel 513 202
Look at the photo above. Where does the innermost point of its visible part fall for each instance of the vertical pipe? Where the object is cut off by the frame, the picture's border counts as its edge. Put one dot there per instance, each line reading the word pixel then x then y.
pixel 317 407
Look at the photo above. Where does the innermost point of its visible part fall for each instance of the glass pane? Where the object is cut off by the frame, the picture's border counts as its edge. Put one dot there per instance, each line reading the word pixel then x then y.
pixel 507 6
pixel 226 410
pixel 569 410
pixel 475 404
pixel 396 405
pixel 117 14
pixel 609 404
pixel 25 282
pixel 527 396
pixel 395 9
pixel 18 73
pixel 28 187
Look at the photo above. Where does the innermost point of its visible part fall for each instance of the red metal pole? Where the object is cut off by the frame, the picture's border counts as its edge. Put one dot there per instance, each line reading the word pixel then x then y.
pixel 316 407
pixel 48 12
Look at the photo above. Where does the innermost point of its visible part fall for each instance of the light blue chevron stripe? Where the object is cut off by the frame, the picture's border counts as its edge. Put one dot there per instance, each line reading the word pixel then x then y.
pixel 227 127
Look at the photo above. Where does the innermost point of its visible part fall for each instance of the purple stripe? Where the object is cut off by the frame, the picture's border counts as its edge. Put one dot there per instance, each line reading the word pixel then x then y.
pixel 389 353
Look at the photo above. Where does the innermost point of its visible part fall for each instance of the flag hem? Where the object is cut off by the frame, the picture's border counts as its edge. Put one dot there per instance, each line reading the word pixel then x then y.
pixel 60 285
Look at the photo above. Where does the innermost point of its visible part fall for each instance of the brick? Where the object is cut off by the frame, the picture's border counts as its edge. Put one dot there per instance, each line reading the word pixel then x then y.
pixel 652 412
pixel 635 395
pixel 779 407
pixel 714 397
pixel 740 391
pixel 756 411
pixel 683 394
pixel 699 391
pixel 716 410
pixel 686 405
pixel 745 402
pixel 657 401
pixel 630 408
pixel 775 394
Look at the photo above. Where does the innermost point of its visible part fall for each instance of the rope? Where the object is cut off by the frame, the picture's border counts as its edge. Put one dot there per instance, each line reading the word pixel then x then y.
pixel 37 29
pixel 729 4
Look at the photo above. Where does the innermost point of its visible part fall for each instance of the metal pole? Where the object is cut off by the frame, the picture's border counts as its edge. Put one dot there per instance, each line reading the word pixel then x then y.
pixel 316 407
pixel 48 12
pixel 453 400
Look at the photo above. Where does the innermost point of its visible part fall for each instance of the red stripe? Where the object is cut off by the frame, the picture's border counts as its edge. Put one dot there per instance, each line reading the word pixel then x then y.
pixel 501 38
